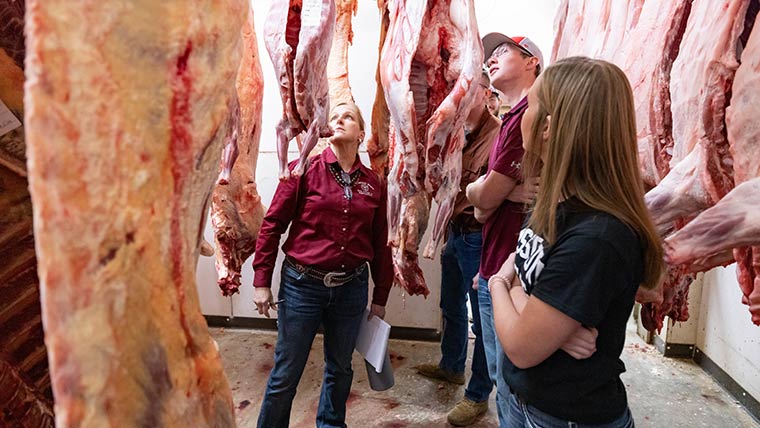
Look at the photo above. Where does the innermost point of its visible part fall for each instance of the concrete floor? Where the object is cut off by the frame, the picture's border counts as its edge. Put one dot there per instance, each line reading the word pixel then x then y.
pixel 662 392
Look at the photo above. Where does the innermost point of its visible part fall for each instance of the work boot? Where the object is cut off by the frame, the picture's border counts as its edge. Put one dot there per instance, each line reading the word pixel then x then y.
pixel 434 372
pixel 466 412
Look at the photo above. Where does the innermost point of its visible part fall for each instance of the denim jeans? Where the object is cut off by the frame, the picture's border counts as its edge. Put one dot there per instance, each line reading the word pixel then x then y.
pixel 307 303
pixel 460 260
pixel 522 415
pixel 493 350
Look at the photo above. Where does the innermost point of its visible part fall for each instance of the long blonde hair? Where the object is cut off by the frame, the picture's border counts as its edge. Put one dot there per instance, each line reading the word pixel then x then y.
pixel 591 152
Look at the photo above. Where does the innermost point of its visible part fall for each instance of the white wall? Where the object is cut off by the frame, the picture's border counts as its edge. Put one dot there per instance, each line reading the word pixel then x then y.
pixel 534 21
pixel 726 333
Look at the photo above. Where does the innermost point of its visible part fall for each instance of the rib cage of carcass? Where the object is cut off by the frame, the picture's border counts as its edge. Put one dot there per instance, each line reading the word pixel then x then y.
pixel 298 35
pixel 684 87
pixel 430 59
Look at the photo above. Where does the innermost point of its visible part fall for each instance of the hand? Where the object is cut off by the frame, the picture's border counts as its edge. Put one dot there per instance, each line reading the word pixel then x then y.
pixel 582 344
pixel 262 297
pixel 470 187
pixel 376 310
pixel 507 270
pixel 476 281
pixel 482 215
pixel 526 192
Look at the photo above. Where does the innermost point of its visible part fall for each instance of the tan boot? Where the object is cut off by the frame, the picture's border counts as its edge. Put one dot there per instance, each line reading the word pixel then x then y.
pixel 434 372
pixel 466 412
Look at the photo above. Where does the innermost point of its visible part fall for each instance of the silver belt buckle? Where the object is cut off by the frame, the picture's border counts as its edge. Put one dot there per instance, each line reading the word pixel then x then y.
pixel 330 281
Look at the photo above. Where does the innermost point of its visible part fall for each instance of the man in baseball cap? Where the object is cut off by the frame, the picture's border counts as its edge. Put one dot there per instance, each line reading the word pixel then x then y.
pixel 499 198
pixel 491 41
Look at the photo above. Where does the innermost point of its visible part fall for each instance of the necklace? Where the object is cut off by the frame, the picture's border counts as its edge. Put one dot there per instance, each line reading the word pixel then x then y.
pixel 345 180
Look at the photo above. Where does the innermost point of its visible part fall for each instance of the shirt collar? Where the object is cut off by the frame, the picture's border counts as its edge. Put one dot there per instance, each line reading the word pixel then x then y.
pixel 519 107
pixel 328 156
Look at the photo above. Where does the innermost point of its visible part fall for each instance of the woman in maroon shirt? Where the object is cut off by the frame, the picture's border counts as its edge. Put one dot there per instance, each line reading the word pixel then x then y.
pixel 337 217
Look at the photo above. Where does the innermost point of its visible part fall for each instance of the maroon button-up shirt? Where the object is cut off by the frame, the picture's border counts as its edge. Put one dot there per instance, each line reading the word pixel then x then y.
pixel 327 230
pixel 502 227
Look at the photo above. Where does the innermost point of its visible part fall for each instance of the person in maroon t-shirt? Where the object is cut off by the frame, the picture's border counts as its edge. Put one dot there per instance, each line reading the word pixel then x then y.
pixel 500 195
pixel 337 217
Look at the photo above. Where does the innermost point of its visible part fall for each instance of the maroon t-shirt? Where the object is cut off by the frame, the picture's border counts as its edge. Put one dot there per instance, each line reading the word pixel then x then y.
pixel 327 230
pixel 502 227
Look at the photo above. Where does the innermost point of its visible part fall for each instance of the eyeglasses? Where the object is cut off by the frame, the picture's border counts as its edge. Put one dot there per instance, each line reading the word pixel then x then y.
pixel 499 51
pixel 504 48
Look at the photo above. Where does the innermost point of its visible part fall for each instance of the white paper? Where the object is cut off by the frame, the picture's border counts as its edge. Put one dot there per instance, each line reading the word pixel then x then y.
pixel 372 342
pixel 8 121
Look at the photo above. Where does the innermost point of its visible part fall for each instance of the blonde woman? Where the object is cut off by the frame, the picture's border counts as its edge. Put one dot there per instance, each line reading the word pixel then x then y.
pixel 337 217
pixel 587 246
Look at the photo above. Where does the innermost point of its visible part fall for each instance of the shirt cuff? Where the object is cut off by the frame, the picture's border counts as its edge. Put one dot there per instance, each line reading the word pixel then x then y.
pixel 380 295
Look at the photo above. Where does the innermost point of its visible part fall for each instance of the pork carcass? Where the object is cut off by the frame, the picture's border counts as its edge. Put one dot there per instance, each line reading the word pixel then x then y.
pixel 236 208
pixel 298 35
pixel 701 167
pixel 12 146
pixel 377 144
pixel 125 116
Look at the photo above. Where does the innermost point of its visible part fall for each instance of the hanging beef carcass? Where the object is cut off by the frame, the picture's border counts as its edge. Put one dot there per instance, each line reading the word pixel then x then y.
pixel 298 36
pixel 236 208
pixel 419 69
pixel 377 143
pixel 407 216
pixel 733 223
pixel 660 27
pixel 337 63
pixel 701 171
pixel 445 128
pixel 125 116
pixel 595 28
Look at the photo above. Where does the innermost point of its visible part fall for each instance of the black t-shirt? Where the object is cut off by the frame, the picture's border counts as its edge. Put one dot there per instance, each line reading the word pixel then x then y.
pixel 590 274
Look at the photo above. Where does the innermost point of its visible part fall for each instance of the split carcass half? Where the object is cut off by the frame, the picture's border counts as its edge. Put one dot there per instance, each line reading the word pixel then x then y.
pixel 445 128
pixel 660 27
pixel 701 171
pixel 419 70
pixel 337 63
pixel 396 63
pixel 378 144
pixel 733 222
pixel 298 35
pixel 126 112
pixel 236 208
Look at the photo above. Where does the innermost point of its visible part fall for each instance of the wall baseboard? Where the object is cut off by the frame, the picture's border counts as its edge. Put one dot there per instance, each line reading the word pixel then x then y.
pixel 726 381
pixel 403 333
pixel 673 350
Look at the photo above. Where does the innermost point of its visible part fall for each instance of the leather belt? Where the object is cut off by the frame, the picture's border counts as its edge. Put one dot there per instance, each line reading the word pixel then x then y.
pixel 465 223
pixel 329 279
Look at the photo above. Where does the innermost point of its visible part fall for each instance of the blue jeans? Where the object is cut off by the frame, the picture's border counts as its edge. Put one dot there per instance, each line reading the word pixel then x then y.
pixel 307 304
pixel 522 415
pixel 493 350
pixel 460 260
